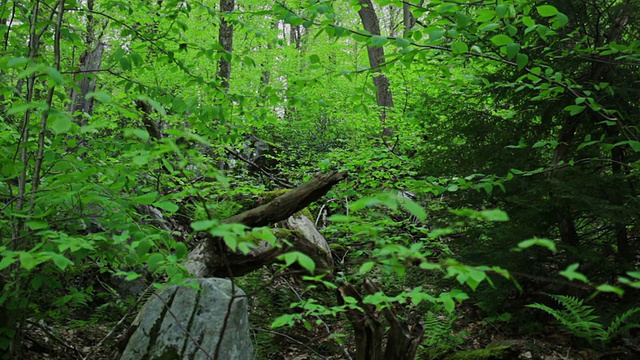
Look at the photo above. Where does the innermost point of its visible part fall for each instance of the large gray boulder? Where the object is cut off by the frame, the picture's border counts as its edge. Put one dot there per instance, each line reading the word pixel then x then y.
pixel 189 323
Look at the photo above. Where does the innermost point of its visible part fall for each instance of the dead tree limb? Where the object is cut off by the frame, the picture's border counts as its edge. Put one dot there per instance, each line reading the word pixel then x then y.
pixel 211 257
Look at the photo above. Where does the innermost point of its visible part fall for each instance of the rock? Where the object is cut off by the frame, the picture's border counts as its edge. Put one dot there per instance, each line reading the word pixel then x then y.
pixel 187 324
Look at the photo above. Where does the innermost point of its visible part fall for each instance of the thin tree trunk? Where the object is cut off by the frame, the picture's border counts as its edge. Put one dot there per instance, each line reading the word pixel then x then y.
pixel 225 38
pixel 86 80
pixel 407 17
pixel 384 97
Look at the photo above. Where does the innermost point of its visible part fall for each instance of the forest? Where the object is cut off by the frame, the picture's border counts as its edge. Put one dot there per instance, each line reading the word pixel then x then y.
pixel 437 179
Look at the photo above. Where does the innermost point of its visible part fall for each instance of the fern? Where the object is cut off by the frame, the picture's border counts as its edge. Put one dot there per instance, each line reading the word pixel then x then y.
pixel 615 328
pixel 579 319
pixel 438 329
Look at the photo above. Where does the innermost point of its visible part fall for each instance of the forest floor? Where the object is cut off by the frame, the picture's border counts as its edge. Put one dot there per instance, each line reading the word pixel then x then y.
pixel 99 342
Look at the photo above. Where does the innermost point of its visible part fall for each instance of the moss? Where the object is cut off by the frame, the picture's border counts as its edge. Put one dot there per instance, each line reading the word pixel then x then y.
pixel 270 195
pixel 283 234
pixel 494 352
pixel 306 213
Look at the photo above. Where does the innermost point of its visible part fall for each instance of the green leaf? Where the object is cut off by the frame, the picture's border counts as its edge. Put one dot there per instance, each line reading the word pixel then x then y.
pixel 55 75
pixel 181 251
pixel 610 288
pixel 561 20
pixel 285 320
pixel 314 59
pixel 459 47
pixel 125 63
pixel 141 160
pixel 18 107
pixel 413 208
pixel 295 256
pixel 100 96
pixel 402 42
pixel 6 260
pixel 378 40
pixel 528 21
pixel 154 104
pixel 461 20
pixel 501 39
pixel 143 247
pixel 19 61
pixel 154 261
pixel 145 199
pixel 131 275
pixel 635 145
pixel 501 10
pixel 571 273
pixel 61 261
pixel 575 109
pixel 634 274
pixel 512 50
pixel 293 19
pixel 306 262
pixel 27 261
pixel 494 215
pixel 36 282
pixel 547 10
pixel 546 243
pixel 37 224
pixel 61 124
pixel 489 27
pixel 139 133
pixel 447 301
pixel 203 225
pixel 167 206
pixel 366 267
pixel 436 34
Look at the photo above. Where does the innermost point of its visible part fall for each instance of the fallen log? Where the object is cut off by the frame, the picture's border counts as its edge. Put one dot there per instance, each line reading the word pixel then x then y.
pixel 212 258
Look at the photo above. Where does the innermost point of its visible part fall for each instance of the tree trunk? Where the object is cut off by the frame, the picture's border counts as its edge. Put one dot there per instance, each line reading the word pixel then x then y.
pixel 384 97
pixel 407 17
pixel 225 38
pixel 90 62
pixel 86 82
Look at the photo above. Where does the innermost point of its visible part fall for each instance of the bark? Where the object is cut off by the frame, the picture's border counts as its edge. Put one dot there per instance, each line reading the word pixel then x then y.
pixel 211 257
pixel 371 24
pixel 86 82
pixel 90 62
pixel 407 17
pixel 225 38
pixel 295 36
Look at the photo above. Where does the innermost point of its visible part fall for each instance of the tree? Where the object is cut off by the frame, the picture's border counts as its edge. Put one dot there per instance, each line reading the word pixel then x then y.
pixel 225 38
pixel 106 112
pixel 375 51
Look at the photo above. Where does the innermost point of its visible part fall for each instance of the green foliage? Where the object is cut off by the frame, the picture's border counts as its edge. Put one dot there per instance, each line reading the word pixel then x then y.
pixel 525 108
pixel 439 335
pixel 579 319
